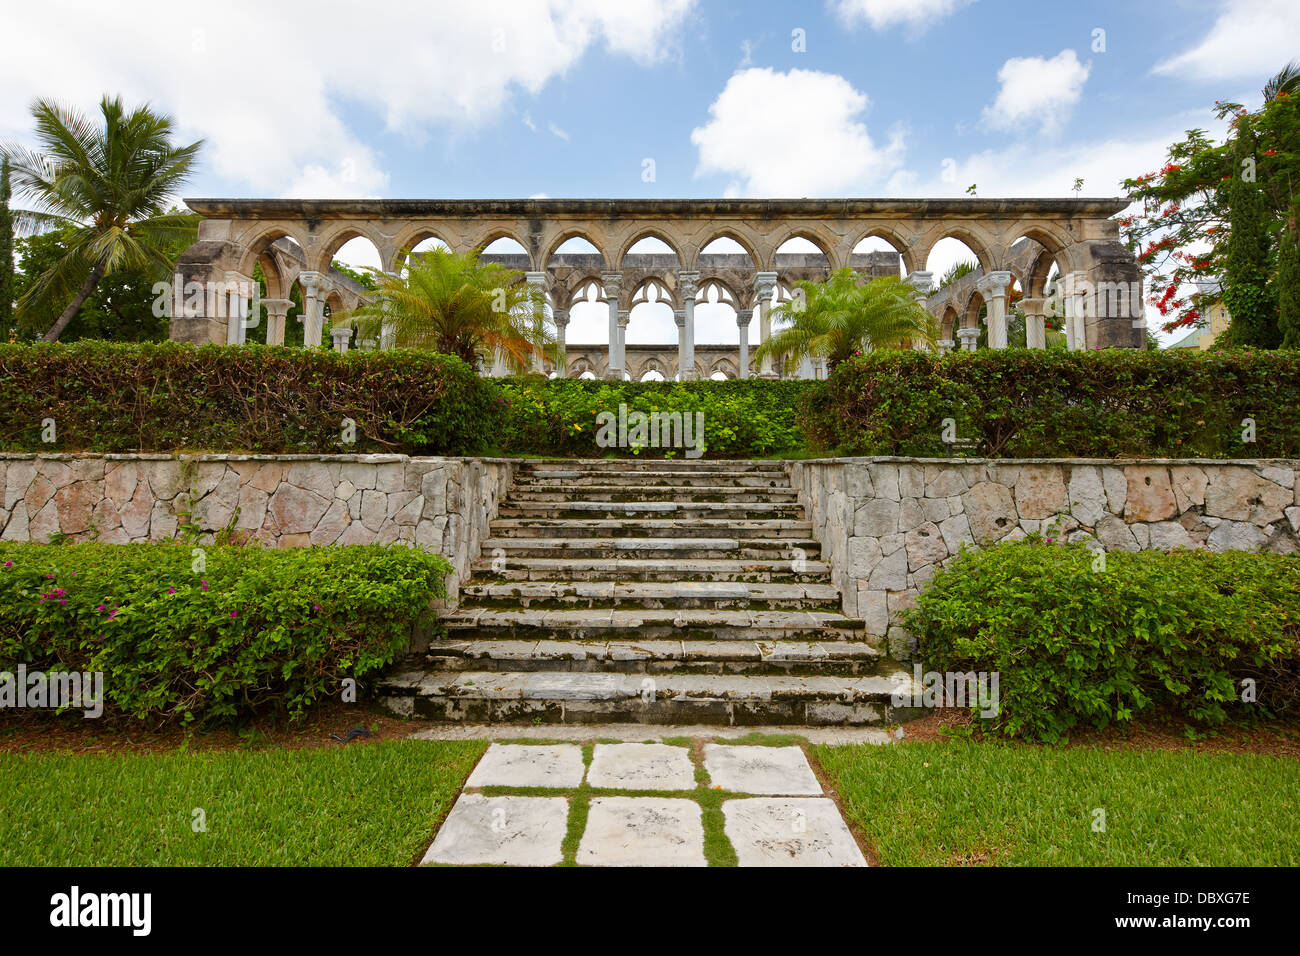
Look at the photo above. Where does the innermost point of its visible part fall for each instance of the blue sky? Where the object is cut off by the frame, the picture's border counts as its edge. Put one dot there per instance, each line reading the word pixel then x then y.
pixel 506 98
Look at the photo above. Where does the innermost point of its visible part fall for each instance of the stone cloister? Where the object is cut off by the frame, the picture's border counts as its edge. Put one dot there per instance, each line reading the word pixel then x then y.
pixel 1013 240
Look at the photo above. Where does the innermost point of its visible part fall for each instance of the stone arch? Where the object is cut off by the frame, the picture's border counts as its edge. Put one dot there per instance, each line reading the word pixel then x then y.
pixel 573 232
pixel 971 310
pixel 407 241
pixel 948 324
pixel 823 241
pixel 336 236
pixel 896 239
pixel 488 236
pixel 977 240
pixel 259 246
pixel 746 243
pixel 724 366
pixel 650 232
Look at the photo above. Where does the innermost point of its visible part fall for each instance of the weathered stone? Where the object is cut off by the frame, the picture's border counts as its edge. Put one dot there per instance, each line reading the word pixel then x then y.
pixel 934 509
pixel 76 503
pixel 911 481
pixel 890 573
pixel 884 479
pixel 956 532
pixel 1240 495
pixel 390 478
pixel 789 832
pixel 642 831
pixel 252 507
pixel 361 476
pixel 134 515
pixel 16 528
pixel 1236 536
pixel 925 545
pixel 876 517
pixel 332 523
pixel 216 509
pixel 990 510
pixel 910 514
pixel 513 765
pixel 760 770
pixel 44 523
pixel 864 555
pixel 873 608
pixel 1167 535
pixel 1189 483
pixel 507 831
pixel 374 509
pixel 641 767
pixel 944 482
pixel 1116 485
pixel 1087 494
pixel 345 489
pixel 1278 474
pixel 1150 496
pixel 165 479
pixel 39 491
pixel 1114 534
pixel 1040 491
pixel 857 481
pixel 120 479
pixel 296 510
pixel 18 477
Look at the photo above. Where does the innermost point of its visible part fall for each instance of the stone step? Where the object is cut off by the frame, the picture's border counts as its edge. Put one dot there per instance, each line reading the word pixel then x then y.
pixel 843 658
pixel 651 624
pixel 685 511
pixel 686 549
pixel 666 493
pixel 611 465
pixel 648 528
pixel 652 595
pixel 669 479
pixel 567 697
pixel 647 569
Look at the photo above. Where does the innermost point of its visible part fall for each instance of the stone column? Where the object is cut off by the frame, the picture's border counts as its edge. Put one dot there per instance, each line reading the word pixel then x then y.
pixel 276 312
pixel 341 336
pixel 612 283
pixel 969 338
pixel 313 298
pixel 1035 323
pixel 623 316
pixel 764 283
pixel 688 286
pixel 921 281
pixel 537 284
pixel 945 346
pixel 994 289
pixel 561 317
pixel 742 323
pixel 679 318
pixel 238 297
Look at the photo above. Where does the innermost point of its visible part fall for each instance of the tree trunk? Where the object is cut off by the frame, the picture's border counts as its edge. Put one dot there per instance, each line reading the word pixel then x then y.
pixel 75 305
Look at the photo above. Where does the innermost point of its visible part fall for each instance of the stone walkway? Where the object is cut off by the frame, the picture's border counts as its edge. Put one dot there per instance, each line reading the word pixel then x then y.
pixel 678 803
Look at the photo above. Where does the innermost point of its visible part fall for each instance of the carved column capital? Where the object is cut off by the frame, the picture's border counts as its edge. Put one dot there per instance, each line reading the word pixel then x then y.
pixel 688 283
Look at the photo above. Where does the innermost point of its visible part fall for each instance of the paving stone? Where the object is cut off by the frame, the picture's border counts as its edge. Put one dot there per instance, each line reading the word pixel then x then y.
pixel 641 767
pixel 786 832
pixel 511 831
pixel 765 770
pixel 519 765
pixel 643 831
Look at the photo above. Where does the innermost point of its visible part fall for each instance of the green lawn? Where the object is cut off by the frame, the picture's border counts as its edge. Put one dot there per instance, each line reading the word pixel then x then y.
pixel 358 805
pixel 946 804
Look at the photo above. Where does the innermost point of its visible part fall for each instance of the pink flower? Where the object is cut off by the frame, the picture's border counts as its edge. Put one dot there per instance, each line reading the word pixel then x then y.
pixel 171 590
pixel 9 564
pixel 315 607
pixel 205 585
pixel 233 614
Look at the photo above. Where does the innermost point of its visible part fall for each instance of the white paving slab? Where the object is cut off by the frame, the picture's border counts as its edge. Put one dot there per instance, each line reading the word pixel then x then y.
pixel 769 831
pixel 513 831
pixel 643 831
pixel 762 770
pixel 526 765
pixel 641 767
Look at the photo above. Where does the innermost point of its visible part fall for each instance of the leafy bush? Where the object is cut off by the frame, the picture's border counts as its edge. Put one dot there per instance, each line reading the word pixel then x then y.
pixel 254 628
pixel 1073 645
pixel 1022 403
pixel 750 418
pixel 119 397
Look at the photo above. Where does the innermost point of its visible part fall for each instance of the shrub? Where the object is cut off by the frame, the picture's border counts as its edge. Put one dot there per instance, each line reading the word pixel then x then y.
pixel 1073 645
pixel 750 418
pixel 1022 403
pixel 119 397
pixel 254 628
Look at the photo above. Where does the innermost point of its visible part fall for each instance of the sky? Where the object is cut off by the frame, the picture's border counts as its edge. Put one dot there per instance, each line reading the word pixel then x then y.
pixel 656 98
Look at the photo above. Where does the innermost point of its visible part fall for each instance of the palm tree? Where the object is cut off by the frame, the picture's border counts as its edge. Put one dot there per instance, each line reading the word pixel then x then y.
pixel 843 315
pixel 113 184
pixel 1286 81
pixel 456 304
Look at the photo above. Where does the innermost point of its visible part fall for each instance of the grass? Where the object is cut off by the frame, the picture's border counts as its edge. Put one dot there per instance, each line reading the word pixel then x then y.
pixel 361 805
pixel 937 804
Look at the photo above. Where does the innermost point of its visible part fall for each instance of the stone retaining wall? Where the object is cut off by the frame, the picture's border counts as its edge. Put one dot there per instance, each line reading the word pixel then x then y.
pixel 442 504
pixel 887 524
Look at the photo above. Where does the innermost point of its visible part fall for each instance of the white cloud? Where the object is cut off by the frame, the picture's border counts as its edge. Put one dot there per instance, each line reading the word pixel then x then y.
pixel 830 151
pixel 883 14
pixel 1037 91
pixel 266 84
pixel 557 132
pixel 528 121
pixel 1250 39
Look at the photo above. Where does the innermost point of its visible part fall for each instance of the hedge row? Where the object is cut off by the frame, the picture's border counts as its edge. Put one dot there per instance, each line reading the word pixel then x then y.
pixel 1077 643
pixel 752 418
pixel 121 397
pixel 242 630
pixel 1029 404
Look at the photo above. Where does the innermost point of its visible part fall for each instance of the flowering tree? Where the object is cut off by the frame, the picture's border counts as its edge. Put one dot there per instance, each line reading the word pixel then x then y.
pixel 1182 236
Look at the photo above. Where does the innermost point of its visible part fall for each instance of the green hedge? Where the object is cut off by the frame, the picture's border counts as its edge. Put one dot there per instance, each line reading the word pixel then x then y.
pixel 254 628
pixel 1076 645
pixel 1023 403
pixel 120 397
pixel 752 418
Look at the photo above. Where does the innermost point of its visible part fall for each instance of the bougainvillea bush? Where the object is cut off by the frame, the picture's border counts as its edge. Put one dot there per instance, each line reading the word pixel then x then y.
pixel 214 633
pixel 1077 643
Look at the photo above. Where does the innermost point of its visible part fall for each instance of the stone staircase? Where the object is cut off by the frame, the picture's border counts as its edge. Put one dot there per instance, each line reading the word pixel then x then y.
pixel 652 592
